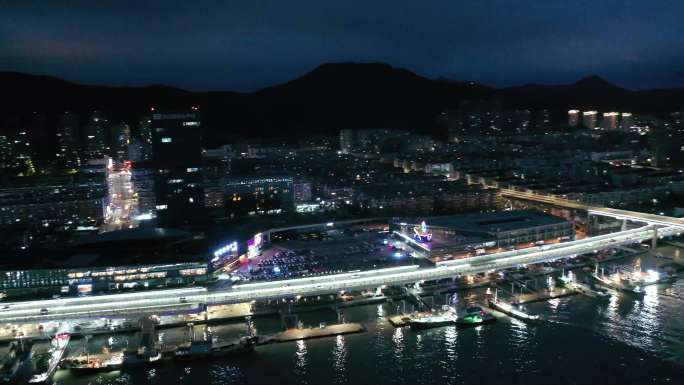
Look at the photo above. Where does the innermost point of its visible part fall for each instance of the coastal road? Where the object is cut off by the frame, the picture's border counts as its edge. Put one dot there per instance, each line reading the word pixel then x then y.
pixel 182 299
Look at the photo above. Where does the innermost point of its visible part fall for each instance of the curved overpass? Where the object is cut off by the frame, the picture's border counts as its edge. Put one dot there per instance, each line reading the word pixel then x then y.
pixel 595 210
pixel 189 298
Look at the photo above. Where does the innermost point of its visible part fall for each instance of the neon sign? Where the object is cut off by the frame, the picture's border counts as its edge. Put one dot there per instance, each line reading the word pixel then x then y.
pixel 421 233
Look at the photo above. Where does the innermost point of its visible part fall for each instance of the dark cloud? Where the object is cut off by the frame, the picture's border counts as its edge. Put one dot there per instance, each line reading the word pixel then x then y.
pixel 246 45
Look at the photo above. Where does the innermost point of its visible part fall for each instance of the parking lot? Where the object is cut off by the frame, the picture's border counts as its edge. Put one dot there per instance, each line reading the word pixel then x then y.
pixel 324 252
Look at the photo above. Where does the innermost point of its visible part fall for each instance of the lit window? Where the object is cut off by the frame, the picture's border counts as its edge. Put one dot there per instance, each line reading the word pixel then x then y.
pixel 192 169
pixel 191 123
pixel 166 140
pixel 162 207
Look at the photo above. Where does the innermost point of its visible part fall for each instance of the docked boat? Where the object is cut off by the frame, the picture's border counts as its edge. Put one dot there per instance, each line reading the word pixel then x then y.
pixel 617 282
pixel 582 288
pixel 141 356
pixel 17 364
pixel 507 308
pixel 447 316
pixel 58 346
pixel 193 349
pixel 94 362
pixel 242 345
pixel 473 316
pixel 148 350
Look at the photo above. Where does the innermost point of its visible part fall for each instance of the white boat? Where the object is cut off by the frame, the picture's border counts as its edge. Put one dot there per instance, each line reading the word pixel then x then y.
pixel 447 316
pixel 582 288
pixel 616 281
pixel 507 308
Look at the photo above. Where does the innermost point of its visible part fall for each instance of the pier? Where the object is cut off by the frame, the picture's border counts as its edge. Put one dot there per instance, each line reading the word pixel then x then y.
pixel 311 333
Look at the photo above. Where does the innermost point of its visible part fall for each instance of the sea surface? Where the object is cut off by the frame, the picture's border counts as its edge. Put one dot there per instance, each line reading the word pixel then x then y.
pixel 625 340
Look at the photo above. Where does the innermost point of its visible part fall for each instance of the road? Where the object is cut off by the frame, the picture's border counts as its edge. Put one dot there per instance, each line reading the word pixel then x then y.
pixel 595 210
pixel 183 299
pixel 122 202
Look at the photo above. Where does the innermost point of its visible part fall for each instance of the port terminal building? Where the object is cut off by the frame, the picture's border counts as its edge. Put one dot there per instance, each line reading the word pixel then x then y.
pixel 460 236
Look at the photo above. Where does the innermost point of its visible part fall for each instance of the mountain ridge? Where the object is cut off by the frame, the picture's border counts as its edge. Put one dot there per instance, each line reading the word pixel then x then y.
pixel 329 97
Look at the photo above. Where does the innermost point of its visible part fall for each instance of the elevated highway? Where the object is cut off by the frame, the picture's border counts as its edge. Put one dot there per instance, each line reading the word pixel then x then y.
pixel 595 210
pixel 189 298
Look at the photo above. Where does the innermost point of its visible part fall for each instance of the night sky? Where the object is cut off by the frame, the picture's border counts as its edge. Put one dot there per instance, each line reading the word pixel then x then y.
pixel 245 45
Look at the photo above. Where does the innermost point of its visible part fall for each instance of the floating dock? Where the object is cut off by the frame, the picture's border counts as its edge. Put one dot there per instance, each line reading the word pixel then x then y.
pixel 319 332
pixel 545 295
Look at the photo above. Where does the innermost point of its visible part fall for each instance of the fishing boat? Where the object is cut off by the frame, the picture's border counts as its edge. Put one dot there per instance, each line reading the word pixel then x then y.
pixel 507 308
pixel 446 316
pixel 90 363
pixel 582 288
pixel 473 316
pixel 617 282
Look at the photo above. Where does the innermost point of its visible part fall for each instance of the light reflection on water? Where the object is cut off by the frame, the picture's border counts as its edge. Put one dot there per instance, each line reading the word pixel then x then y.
pixel 340 360
pixel 627 335
pixel 300 362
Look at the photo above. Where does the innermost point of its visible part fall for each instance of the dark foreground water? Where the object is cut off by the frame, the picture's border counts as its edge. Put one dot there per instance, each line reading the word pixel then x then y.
pixel 623 341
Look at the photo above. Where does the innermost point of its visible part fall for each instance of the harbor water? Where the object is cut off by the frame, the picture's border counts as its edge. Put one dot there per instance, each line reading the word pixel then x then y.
pixel 624 340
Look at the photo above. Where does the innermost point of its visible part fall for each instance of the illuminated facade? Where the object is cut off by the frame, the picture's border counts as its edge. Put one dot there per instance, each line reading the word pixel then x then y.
pixel 610 120
pixel 590 119
pixel 53 203
pixel 100 279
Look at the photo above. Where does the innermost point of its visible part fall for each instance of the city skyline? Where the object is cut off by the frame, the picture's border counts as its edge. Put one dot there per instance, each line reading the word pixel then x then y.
pixel 440 192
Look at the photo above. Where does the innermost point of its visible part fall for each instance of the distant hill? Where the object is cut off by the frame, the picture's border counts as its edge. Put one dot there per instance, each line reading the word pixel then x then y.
pixel 331 97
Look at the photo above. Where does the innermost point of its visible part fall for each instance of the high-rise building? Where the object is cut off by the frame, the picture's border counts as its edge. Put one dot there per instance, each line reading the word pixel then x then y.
pixel 177 156
pixel 573 118
pixel 610 120
pixel 67 139
pixel 95 132
pixel 145 128
pixel 590 119
pixel 121 138
pixel 626 121
pixel 346 141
